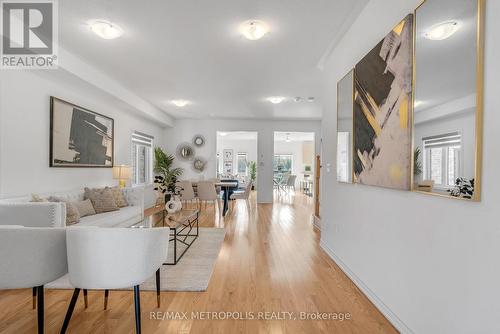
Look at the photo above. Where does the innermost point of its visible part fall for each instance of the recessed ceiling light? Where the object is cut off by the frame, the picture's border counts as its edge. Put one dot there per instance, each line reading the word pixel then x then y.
pixel 180 103
pixel 310 99
pixel 276 99
pixel 105 29
pixel 441 31
pixel 254 29
pixel 297 99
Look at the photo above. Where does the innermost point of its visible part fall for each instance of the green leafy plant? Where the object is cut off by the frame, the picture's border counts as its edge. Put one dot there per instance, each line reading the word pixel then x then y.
pixel 417 164
pixel 253 170
pixel 166 175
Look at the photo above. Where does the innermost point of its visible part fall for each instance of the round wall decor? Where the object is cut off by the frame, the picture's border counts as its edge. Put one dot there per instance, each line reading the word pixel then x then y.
pixel 185 151
pixel 198 140
pixel 199 164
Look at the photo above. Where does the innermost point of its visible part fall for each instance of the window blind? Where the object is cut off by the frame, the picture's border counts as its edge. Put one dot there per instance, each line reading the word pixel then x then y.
pixel 445 140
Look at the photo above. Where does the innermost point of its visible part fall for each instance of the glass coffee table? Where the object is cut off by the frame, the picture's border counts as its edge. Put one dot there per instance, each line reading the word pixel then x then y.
pixel 183 229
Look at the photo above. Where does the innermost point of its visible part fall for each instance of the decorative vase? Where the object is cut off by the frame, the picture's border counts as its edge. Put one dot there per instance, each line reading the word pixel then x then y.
pixel 173 205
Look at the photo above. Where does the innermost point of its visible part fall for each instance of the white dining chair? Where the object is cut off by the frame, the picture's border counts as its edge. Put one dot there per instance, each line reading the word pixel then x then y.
pixel 114 258
pixel 31 257
pixel 245 195
pixel 208 193
pixel 186 191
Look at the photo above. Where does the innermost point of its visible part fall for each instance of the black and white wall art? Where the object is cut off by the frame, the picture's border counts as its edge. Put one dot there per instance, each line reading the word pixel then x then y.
pixel 79 137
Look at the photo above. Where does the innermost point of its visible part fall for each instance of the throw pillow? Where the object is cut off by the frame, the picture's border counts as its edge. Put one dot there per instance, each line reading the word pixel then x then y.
pixel 35 198
pixel 84 208
pixel 120 200
pixel 102 199
pixel 72 214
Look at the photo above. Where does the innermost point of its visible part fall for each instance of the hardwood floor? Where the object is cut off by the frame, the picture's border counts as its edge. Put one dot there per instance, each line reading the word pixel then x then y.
pixel 270 261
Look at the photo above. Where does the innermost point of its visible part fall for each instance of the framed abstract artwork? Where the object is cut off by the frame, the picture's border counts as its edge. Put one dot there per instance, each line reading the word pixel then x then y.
pixel 79 137
pixel 383 88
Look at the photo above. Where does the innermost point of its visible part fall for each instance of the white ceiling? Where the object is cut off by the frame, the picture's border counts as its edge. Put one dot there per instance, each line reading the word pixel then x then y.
pixel 191 49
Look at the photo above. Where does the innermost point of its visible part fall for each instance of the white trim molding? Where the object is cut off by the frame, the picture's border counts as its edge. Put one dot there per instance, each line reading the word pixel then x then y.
pixel 379 304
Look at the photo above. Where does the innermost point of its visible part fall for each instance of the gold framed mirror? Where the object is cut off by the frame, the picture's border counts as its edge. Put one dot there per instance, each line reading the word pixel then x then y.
pixel 345 128
pixel 448 98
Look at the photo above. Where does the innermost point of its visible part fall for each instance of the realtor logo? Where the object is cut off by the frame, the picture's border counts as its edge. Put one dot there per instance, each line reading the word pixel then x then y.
pixel 29 34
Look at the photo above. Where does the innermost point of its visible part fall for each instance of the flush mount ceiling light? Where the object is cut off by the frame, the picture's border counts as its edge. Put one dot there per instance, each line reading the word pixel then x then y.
pixel 276 99
pixel 254 29
pixel 310 99
pixel 180 103
pixel 441 31
pixel 105 29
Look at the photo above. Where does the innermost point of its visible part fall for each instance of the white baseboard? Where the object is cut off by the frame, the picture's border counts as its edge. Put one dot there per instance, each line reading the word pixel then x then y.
pixel 379 304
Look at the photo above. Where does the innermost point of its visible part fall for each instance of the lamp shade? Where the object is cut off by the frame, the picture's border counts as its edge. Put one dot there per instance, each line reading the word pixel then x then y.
pixel 121 172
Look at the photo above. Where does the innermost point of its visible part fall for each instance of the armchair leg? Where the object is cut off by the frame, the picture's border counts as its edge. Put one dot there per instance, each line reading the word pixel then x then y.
pixel 85 299
pixel 34 297
pixel 106 294
pixel 137 303
pixel 40 309
pixel 69 313
pixel 158 285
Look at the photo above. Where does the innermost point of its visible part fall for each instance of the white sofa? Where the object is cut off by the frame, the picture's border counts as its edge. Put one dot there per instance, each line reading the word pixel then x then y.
pixel 20 211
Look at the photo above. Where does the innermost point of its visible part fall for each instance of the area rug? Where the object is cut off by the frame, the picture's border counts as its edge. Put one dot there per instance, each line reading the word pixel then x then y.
pixel 191 273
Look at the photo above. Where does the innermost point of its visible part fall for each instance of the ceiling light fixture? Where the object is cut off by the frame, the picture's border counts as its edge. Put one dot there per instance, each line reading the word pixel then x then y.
pixel 180 103
pixel 276 99
pixel 310 99
pixel 105 29
pixel 441 31
pixel 254 29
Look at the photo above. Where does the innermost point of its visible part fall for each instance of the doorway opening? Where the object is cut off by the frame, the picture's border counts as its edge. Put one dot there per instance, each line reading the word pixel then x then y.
pixel 237 157
pixel 294 164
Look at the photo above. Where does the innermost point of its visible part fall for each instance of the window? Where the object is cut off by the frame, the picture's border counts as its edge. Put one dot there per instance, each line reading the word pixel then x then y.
pixel 242 163
pixel 442 159
pixel 343 157
pixel 142 158
pixel 283 163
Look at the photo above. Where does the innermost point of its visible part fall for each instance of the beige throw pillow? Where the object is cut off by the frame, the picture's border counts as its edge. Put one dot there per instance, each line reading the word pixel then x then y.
pixel 72 214
pixel 102 199
pixel 84 208
pixel 35 198
pixel 120 200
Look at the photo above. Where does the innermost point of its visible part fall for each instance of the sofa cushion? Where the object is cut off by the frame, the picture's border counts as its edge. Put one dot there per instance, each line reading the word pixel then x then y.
pixel 85 208
pixel 102 199
pixel 115 218
pixel 119 197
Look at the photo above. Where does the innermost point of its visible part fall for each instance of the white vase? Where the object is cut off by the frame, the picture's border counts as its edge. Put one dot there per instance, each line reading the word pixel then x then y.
pixel 174 205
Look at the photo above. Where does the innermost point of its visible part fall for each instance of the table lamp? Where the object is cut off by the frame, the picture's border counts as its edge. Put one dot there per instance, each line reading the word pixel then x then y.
pixel 121 173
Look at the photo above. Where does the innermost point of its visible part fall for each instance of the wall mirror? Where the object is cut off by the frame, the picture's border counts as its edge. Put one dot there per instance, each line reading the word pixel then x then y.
pixel 185 151
pixel 447 133
pixel 345 135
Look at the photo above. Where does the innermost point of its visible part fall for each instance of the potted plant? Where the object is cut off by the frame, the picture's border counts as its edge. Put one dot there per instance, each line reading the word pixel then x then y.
pixel 417 164
pixel 166 176
pixel 253 173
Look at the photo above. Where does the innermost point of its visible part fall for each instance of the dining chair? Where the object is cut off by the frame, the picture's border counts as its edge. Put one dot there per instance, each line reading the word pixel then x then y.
pixel 102 258
pixel 207 193
pixel 245 194
pixel 32 257
pixel 217 188
pixel 187 191
pixel 290 182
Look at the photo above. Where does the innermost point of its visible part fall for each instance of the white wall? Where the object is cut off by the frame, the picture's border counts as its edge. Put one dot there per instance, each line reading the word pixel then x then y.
pixel 184 131
pixel 24 131
pixel 430 264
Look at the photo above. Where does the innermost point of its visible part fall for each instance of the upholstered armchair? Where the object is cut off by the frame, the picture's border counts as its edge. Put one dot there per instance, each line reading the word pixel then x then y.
pixel 114 258
pixel 32 257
